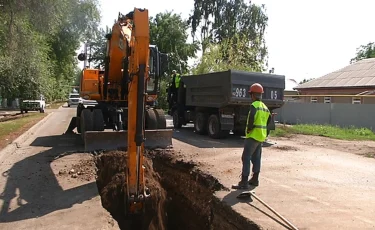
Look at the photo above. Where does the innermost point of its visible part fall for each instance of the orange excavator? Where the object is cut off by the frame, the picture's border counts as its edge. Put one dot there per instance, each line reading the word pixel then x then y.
pixel 122 98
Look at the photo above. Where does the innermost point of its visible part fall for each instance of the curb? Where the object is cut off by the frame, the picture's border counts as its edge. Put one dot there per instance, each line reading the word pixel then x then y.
pixel 16 143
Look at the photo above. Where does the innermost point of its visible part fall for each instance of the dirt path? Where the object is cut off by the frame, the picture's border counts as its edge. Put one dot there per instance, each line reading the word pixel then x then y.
pixel 314 182
pixel 36 193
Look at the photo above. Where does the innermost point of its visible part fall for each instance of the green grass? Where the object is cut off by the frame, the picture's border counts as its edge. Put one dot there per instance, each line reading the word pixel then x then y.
pixel 10 130
pixel 325 131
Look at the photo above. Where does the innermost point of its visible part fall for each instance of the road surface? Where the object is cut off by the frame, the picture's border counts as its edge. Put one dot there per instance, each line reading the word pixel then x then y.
pixel 34 195
pixel 314 182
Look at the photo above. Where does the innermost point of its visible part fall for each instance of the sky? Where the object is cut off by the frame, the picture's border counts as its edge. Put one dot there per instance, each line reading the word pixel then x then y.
pixel 305 39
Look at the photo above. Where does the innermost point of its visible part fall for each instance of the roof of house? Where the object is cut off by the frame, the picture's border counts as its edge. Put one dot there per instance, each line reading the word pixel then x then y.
pixel 358 74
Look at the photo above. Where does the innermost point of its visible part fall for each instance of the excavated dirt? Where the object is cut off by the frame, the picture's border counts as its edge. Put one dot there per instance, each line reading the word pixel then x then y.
pixel 181 195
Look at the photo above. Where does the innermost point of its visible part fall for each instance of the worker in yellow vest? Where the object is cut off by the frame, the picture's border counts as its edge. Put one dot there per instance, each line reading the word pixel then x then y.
pixel 176 78
pixel 256 132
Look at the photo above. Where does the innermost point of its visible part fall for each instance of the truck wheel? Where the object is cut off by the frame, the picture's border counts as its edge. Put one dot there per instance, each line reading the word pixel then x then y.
pixel 176 120
pixel 87 121
pixel 151 119
pixel 98 120
pixel 200 123
pixel 214 127
pixel 160 117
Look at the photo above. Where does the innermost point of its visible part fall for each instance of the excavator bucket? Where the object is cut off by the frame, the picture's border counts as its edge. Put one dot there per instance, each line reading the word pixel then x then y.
pixel 112 140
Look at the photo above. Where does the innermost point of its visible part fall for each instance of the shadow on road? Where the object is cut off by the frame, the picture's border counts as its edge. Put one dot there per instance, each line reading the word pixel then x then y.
pixel 32 185
pixel 188 136
pixel 231 199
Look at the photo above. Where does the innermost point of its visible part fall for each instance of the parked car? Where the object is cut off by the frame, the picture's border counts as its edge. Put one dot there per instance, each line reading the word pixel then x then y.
pixel 33 105
pixel 73 99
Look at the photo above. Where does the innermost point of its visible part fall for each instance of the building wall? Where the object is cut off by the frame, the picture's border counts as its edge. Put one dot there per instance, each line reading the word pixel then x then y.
pixel 344 115
pixel 340 91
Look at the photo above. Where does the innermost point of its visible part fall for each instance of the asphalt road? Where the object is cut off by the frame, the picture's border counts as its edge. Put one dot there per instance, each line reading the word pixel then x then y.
pixel 33 196
pixel 314 182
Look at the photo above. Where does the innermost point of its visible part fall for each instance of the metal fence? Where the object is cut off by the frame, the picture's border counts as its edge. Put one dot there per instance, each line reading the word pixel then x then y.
pixel 344 115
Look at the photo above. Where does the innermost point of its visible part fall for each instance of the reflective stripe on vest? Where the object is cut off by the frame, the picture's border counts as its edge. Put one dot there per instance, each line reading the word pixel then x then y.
pixel 177 80
pixel 259 132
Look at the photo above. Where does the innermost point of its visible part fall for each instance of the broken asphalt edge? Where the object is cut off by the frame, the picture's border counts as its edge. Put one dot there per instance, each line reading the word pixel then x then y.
pixel 23 137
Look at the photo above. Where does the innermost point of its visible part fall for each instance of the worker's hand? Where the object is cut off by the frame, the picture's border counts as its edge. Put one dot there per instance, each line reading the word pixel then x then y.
pixel 249 130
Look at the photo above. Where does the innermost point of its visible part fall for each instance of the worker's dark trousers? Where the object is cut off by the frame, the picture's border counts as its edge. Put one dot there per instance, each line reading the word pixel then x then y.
pixel 252 153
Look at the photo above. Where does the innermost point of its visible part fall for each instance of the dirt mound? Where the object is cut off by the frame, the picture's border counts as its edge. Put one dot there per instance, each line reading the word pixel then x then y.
pixel 112 188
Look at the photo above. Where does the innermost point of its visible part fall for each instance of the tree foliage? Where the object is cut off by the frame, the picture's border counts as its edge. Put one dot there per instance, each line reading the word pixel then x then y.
pixel 364 52
pixel 238 21
pixel 168 32
pixel 38 43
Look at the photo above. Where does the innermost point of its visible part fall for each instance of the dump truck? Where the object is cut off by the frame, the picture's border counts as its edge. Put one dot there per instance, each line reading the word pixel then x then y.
pixel 102 117
pixel 219 102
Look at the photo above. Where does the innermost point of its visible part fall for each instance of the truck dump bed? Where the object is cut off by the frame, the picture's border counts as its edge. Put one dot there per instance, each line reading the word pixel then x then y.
pixel 231 87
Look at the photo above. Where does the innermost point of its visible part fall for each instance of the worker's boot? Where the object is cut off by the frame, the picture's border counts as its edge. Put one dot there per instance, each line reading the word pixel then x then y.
pixel 254 181
pixel 243 184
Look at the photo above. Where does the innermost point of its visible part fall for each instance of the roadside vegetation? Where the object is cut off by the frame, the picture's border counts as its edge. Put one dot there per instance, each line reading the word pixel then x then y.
pixel 350 133
pixel 56 104
pixel 10 130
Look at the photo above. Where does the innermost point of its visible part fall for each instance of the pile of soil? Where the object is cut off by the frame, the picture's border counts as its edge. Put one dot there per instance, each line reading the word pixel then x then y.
pixel 111 182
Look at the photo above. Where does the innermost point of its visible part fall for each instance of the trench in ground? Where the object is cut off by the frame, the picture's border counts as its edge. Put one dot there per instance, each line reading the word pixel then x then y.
pixel 181 195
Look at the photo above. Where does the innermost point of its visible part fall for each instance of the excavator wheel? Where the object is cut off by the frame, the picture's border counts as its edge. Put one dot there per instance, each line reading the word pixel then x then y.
pixel 160 117
pixel 87 122
pixel 151 119
pixel 98 120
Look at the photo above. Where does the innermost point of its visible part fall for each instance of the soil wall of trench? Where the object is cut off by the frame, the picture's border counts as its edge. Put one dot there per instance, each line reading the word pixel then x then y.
pixel 181 195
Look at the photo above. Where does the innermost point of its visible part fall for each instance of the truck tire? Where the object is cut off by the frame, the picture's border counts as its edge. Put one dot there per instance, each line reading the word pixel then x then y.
pixel 98 120
pixel 177 124
pixel 87 121
pixel 200 123
pixel 214 127
pixel 160 117
pixel 151 120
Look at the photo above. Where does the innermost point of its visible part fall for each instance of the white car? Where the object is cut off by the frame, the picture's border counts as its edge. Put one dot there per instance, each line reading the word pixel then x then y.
pixel 73 99
pixel 33 105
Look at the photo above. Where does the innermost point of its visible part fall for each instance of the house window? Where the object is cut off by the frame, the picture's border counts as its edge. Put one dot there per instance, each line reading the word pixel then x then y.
pixel 327 99
pixel 314 100
pixel 356 100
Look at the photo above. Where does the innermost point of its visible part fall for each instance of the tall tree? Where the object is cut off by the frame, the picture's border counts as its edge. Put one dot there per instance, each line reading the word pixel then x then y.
pixel 364 52
pixel 168 32
pixel 239 21
pixel 37 50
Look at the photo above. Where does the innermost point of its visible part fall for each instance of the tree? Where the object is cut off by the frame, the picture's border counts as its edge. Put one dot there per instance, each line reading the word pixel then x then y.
pixel 98 48
pixel 229 54
pixel 364 52
pixel 241 22
pixel 38 40
pixel 168 32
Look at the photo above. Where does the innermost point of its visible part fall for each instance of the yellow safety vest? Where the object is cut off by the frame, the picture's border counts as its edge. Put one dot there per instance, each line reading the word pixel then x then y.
pixel 177 81
pixel 259 131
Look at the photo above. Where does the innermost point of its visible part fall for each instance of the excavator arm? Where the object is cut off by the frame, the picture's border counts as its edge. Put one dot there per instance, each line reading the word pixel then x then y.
pixel 138 73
